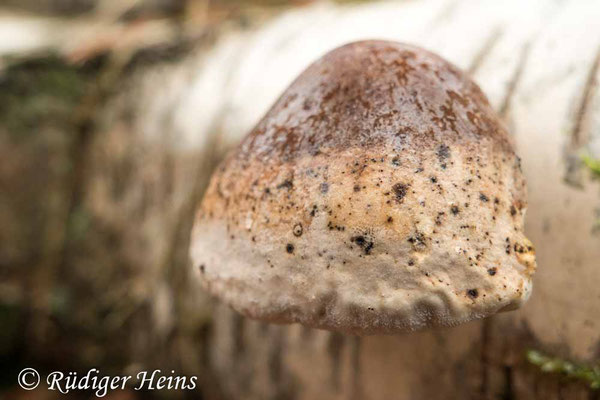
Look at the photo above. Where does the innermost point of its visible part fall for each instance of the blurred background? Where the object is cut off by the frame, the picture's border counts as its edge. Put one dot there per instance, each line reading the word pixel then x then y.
pixel 113 113
pixel 94 223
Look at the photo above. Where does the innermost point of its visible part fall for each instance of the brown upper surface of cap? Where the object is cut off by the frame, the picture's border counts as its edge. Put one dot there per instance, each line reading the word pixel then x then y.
pixel 373 93
pixel 379 194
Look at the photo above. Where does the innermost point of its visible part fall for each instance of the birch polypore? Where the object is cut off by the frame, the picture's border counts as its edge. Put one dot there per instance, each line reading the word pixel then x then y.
pixel 380 194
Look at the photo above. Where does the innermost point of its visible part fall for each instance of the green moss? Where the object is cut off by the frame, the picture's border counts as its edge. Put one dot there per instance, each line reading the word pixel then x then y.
pixel 592 164
pixel 40 91
pixel 78 225
pixel 589 374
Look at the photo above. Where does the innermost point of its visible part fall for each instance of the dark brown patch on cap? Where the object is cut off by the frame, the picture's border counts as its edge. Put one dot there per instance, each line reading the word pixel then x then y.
pixel 346 87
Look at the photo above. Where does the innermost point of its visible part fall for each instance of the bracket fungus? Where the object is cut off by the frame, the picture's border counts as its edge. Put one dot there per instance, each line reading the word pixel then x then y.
pixel 380 194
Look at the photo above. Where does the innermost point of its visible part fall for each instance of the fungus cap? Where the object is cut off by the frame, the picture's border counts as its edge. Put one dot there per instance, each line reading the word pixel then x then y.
pixel 379 194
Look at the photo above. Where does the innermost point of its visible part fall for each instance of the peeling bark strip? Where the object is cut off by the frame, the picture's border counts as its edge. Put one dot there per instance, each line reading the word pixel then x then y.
pixel 306 333
pixel 579 136
pixel 485 50
pixel 514 81
pixel 282 380
pixel 335 345
pixel 276 357
pixel 237 331
pixel 509 391
pixel 356 384
pixel 486 327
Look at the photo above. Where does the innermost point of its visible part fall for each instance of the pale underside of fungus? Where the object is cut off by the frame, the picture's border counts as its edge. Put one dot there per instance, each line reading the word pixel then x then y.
pixel 380 194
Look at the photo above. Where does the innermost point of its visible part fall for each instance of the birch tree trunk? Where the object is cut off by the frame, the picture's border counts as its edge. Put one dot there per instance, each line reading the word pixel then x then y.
pixel 143 141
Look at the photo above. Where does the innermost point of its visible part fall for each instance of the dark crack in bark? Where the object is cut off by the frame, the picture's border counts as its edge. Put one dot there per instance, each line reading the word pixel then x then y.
pixel 356 385
pixel 335 346
pixel 485 50
pixel 580 135
pixel 514 81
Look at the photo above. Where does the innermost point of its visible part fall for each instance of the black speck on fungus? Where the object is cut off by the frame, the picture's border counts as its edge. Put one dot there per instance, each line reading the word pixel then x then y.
pixel 289 248
pixel 363 243
pixel 286 184
pixel 439 218
pixel 324 187
pixel 492 271
pixel 443 152
pixel 297 230
pixel 400 190
pixel 454 210
pixel 473 293
pixel 483 198
pixel 418 240
pixel 519 248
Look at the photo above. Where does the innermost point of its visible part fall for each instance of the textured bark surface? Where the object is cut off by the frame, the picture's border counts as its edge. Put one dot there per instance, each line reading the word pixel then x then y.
pixel 106 162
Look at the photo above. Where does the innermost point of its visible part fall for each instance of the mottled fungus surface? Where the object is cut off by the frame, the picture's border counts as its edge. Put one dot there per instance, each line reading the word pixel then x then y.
pixel 380 194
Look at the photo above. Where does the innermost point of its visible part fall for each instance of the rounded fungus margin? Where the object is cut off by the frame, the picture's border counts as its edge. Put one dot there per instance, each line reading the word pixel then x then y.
pixel 380 194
